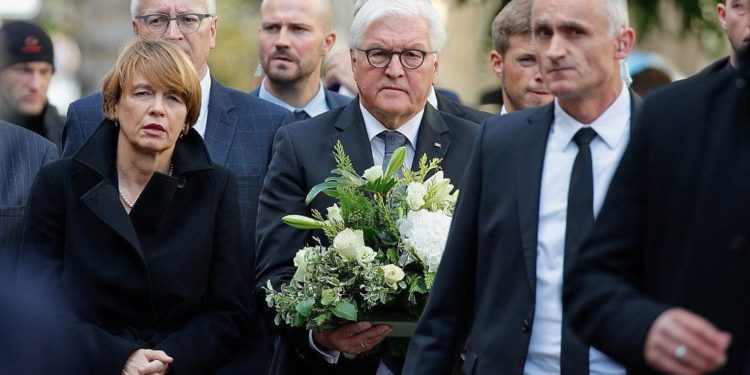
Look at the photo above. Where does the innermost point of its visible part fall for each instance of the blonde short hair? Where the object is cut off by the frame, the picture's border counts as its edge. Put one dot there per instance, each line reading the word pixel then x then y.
pixel 164 65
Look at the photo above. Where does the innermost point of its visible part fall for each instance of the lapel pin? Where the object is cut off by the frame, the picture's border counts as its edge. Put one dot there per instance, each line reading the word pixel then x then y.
pixel 438 145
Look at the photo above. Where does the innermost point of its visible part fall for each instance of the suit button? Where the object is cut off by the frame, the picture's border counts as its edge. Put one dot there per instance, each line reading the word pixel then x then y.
pixel 738 243
pixel 525 326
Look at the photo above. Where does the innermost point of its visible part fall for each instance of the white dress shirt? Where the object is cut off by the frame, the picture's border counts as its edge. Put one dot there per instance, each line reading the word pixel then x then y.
pixel 200 125
pixel 613 134
pixel 314 107
pixel 377 146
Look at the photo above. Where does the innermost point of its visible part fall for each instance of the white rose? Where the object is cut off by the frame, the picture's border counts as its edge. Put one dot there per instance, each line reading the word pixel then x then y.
pixel 415 193
pixel 393 274
pixel 301 264
pixel 373 173
pixel 365 255
pixel 334 214
pixel 348 242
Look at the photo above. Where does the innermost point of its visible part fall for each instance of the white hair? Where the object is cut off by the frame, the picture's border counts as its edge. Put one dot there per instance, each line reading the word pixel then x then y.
pixel 617 15
pixel 368 12
pixel 134 4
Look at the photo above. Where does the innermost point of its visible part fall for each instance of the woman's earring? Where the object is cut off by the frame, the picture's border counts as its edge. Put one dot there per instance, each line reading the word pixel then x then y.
pixel 117 123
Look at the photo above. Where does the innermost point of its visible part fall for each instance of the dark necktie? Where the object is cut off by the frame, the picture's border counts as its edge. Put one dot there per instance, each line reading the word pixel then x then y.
pixel 574 355
pixel 393 140
pixel 300 114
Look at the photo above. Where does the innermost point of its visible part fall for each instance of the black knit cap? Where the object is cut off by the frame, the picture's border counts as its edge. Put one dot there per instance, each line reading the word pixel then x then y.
pixel 22 41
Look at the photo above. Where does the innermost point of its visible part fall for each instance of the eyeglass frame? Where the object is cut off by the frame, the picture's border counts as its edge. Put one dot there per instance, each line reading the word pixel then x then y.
pixel 399 53
pixel 201 17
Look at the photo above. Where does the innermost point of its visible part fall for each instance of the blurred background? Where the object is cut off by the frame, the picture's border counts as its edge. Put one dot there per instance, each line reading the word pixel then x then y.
pixel 676 38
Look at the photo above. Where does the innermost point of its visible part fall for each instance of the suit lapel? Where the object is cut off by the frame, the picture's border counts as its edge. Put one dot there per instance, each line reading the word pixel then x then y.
pixel 448 106
pixel 530 151
pixel 432 138
pixel 104 201
pixel 221 123
pixel 350 130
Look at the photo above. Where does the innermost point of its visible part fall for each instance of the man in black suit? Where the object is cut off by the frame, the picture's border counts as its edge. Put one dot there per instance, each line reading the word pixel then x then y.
pixel 662 283
pixel 295 36
pixel 534 182
pixel 394 53
pixel 513 59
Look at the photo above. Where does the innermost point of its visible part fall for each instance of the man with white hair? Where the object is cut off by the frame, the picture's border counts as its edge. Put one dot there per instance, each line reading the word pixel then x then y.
pixel 237 128
pixel 534 183
pixel 395 46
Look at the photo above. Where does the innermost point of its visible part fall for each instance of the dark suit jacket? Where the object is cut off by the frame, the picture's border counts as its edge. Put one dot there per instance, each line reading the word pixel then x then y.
pixel 456 109
pixel 22 154
pixel 486 283
pixel 303 157
pixel 333 99
pixel 169 276
pixel 674 229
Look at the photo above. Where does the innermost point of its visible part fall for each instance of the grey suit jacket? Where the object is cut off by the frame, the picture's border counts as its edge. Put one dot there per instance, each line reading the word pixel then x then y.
pixel 303 157
pixel 22 154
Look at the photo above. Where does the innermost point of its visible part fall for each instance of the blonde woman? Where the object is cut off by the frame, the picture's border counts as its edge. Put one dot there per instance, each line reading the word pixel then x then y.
pixel 139 233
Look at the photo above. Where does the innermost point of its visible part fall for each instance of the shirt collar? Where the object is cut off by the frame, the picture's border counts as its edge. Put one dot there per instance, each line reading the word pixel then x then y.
pixel 609 126
pixel 410 129
pixel 432 97
pixel 502 110
pixel 314 107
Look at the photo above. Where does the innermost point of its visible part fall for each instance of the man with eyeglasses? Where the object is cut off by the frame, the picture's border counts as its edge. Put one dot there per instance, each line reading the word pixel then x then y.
pixel 395 47
pixel 237 128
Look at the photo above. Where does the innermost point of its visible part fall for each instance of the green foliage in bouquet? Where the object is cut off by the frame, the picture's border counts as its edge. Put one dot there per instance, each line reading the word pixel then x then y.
pixel 386 233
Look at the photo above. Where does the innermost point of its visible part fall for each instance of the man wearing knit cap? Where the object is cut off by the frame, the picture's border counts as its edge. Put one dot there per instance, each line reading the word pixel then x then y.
pixel 25 74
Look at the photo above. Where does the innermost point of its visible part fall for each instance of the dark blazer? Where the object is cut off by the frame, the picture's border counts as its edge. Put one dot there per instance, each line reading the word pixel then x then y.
pixel 674 229
pixel 333 99
pixel 22 154
pixel 169 276
pixel 239 135
pixel 486 283
pixel 457 109
pixel 303 157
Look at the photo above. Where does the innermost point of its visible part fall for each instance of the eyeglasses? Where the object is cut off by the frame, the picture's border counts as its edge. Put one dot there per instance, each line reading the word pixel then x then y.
pixel 380 58
pixel 187 22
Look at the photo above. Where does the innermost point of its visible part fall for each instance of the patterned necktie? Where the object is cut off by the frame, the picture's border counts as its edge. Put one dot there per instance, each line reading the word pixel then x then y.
pixel 393 140
pixel 574 354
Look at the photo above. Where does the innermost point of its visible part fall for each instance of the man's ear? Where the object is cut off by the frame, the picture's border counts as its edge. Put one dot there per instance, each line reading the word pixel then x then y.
pixel 328 42
pixel 625 43
pixel 721 14
pixel 497 64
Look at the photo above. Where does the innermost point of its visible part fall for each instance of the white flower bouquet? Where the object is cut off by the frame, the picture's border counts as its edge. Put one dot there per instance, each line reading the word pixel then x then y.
pixel 387 235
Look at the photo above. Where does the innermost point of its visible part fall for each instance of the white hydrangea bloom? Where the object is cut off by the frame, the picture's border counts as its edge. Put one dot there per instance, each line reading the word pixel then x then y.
pixel 427 232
